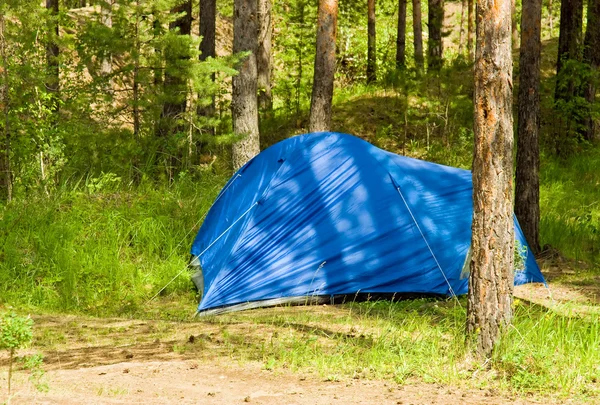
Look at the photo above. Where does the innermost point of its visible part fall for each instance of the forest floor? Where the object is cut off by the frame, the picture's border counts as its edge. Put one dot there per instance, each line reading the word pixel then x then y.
pixel 127 361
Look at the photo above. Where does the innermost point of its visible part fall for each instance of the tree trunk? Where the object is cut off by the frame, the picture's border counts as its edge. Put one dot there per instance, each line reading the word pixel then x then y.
pixel 569 37
pixel 175 86
pixel 434 43
pixel 527 194
pixel 514 25
pixel 372 44
pixel 492 244
pixel 263 56
pixel 550 18
pixel 52 54
pixel 208 29
pixel 591 56
pixel 418 33
pixel 244 103
pixel 322 93
pixel 461 33
pixel 401 38
pixel 106 63
pixel 470 29
pixel 5 168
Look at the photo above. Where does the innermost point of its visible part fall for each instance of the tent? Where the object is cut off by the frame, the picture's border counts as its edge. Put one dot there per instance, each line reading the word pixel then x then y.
pixel 325 215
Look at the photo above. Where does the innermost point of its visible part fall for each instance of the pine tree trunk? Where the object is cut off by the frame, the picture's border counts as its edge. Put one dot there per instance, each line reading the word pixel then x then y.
pixel 569 38
pixel 470 29
pixel 52 54
pixel 491 279
pixel 106 63
pixel 514 25
pixel 434 43
pixel 461 34
pixel 591 56
pixel 263 56
pixel 5 144
pixel 418 33
pixel 208 29
pixel 527 194
pixel 244 103
pixel 371 44
pixel 322 93
pixel 401 38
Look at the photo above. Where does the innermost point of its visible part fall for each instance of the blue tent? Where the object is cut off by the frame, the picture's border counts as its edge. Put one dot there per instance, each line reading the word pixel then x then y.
pixel 328 214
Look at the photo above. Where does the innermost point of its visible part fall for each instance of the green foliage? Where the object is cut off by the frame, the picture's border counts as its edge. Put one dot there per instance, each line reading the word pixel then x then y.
pixel 16 332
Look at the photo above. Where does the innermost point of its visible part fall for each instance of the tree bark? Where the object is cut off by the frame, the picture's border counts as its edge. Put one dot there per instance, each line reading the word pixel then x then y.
pixel 418 33
pixel 401 37
pixel 527 194
pixel 322 93
pixel 208 29
pixel 372 43
pixel 492 244
pixel 106 63
pixel 52 54
pixel 591 56
pixel 5 145
pixel 569 36
pixel 244 103
pixel 434 43
pixel 470 29
pixel 263 56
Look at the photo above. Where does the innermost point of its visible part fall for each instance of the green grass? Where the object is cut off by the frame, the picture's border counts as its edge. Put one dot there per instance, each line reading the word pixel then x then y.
pixel 104 252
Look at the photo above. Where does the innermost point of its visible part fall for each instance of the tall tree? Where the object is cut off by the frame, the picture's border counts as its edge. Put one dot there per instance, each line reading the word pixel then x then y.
pixel 591 56
pixel 174 85
pixel 461 33
pixel 263 55
pixel 492 243
pixel 418 33
pixel 52 54
pixel 322 93
pixel 569 38
pixel 106 62
pixel 514 25
pixel 371 43
pixel 470 28
pixel 401 37
pixel 244 103
pixel 527 194
pixel 434 43
pixel 208 29
pixel 5 169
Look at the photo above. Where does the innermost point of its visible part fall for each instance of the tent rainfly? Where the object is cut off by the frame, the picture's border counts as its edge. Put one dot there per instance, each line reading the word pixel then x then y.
pixel 326 215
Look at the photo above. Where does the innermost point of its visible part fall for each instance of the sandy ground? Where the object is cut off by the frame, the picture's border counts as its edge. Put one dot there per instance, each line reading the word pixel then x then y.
pixel 187 382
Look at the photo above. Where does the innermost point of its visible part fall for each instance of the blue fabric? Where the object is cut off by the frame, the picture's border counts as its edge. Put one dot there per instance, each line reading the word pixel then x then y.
pixel 329 214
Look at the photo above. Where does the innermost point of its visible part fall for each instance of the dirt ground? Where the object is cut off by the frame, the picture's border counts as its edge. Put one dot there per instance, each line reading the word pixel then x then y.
pixel 178 381
pixel 118 361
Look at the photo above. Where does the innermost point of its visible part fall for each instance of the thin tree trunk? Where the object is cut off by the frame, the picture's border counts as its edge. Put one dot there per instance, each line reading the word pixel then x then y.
pixel 470 29
pixel 244 103
pixel 514 25
pixel 5 167
pixel 591 56
pixel 401 37
pixel 569 38
pixel 418 33
pixel 174 86
pixel 434 43
pixel 550 18
pixel 322 93
pixel 263 56
pixel 106 63
pixel 491 279
pixel 208 28
pixel 461 33
pixel 527 194
pixel 371 44
pixel 52 54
